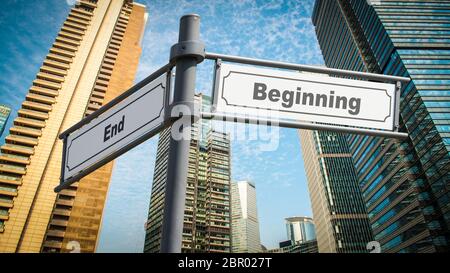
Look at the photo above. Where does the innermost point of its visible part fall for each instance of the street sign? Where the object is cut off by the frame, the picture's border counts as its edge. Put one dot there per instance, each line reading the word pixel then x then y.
pixel 124 125
pixel 305 97
pixel 301 101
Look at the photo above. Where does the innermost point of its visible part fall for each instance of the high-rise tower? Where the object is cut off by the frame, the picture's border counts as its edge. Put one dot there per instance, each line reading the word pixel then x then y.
pixel 244 218
pixel 340 216
pixel 405 184
pixel 93 59
pixel 207 219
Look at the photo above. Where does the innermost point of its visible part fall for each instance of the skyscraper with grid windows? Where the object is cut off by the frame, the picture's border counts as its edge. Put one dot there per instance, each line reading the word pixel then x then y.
pixel 93 59
pixel 207 219
pixel 244 218
pixel 405 184
pixel 340 216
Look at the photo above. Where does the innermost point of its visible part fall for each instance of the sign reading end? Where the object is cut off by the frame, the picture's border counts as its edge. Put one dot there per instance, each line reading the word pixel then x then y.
pixel 126 124
pixel 304 97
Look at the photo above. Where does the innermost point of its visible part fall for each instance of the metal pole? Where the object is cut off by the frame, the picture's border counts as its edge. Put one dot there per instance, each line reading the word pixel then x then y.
pixel 307 68
pixel 187 53
pixel 303 125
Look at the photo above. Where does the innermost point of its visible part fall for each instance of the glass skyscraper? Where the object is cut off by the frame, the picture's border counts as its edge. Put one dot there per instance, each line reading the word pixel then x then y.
pixel 301 236
pixel 340 216
pixel 300 229
pixel 405 184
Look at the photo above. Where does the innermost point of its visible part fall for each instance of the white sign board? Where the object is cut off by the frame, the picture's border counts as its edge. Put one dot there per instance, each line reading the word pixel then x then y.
pixel 304 97
pixel 137 116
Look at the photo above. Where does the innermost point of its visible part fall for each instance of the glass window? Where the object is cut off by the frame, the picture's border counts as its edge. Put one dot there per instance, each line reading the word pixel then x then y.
pixel 440 115
pixel 366 151
pixel 373 184
pixel 437 103
pixel 394 242
pixel 383 219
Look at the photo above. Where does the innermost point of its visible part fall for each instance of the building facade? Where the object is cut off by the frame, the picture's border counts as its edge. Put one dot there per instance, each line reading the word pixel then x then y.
pixel 244 218
pixel 300 229
pixel 207 217
pixel 5 111
pixel 340 216
pixel 405 184
pixel 298 247
pixel 92 60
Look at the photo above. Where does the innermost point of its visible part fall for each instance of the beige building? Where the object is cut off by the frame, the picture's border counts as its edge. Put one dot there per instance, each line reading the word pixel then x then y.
pixel 93 59
pixel 245 235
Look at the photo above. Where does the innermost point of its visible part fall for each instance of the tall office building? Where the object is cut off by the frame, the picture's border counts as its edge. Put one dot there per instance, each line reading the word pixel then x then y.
pixel 244 218
pixel 5 111
pixel 405 184
pixel 207 219
pixel 93 59
pixel 340 216
pixel 300 229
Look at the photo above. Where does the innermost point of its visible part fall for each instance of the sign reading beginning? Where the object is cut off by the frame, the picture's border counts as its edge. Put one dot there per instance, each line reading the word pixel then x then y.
pixel 305 97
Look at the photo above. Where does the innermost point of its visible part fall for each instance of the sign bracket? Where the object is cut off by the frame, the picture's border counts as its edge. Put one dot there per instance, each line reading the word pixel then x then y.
pixel 398 91
pixel 217 65
pixel 301 125
pixel 305 68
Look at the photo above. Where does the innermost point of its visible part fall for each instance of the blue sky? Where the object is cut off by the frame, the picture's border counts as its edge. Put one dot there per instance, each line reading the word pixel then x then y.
pixel 277 30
